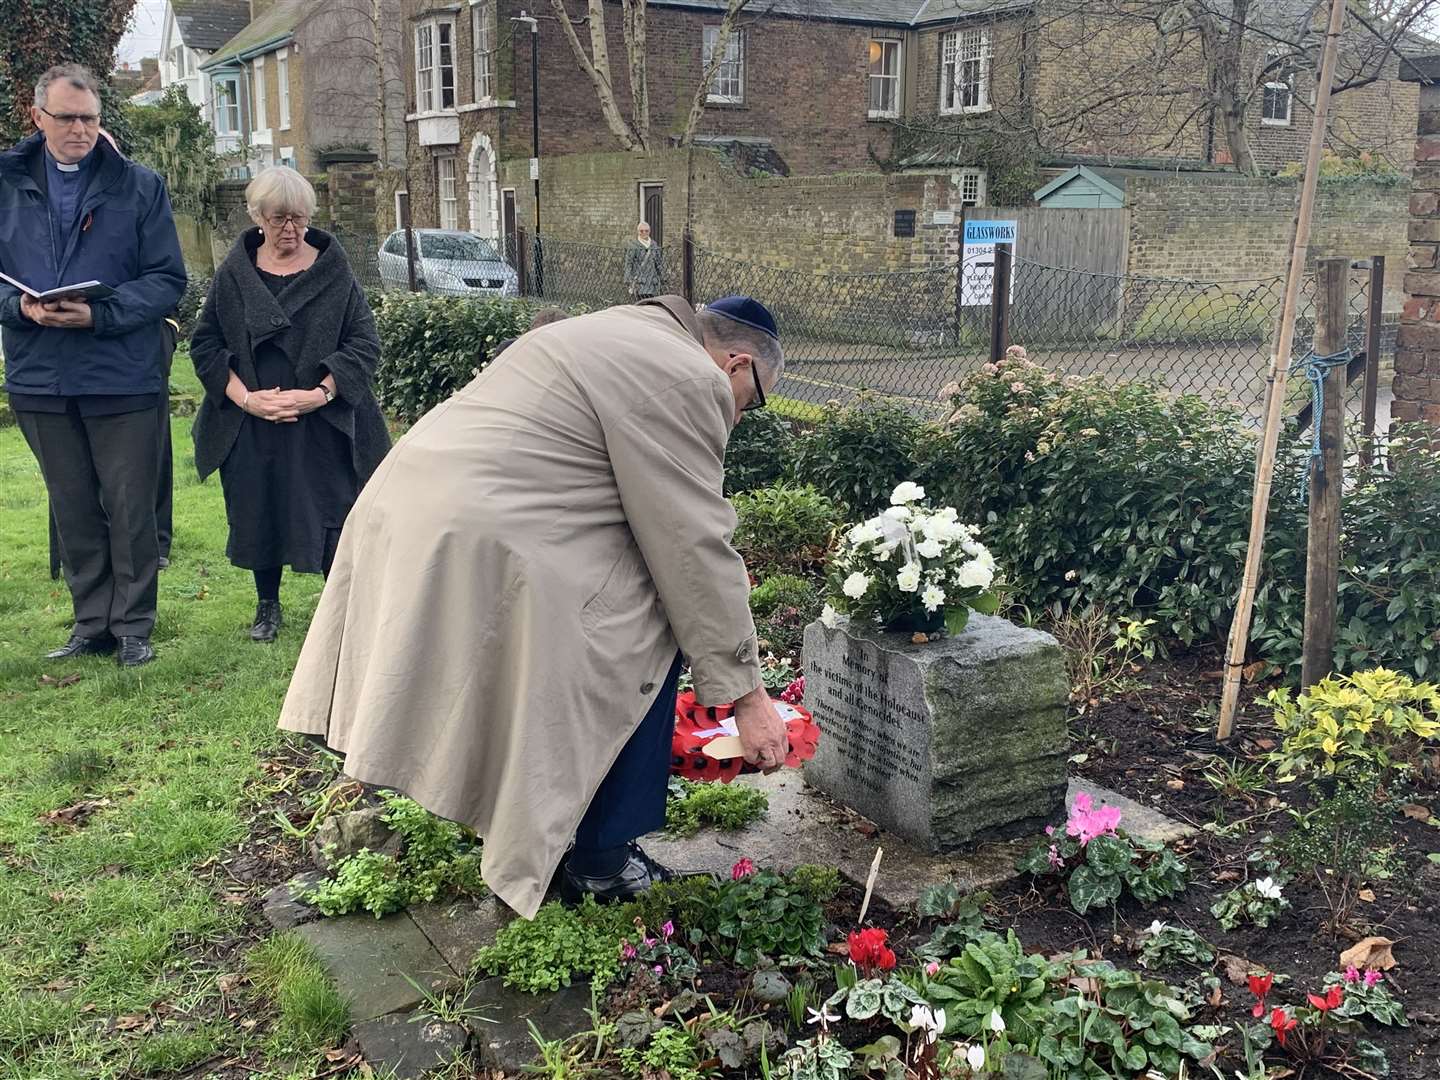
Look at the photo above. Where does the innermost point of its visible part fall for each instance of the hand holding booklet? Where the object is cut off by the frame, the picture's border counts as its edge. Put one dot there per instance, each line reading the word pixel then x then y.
pixel 83 290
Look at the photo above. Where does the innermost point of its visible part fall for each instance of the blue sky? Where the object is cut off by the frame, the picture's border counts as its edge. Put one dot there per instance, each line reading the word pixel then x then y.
pixel 143 37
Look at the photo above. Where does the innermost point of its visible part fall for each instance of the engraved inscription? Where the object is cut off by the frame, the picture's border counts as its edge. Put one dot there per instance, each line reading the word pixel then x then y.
pixel 879 737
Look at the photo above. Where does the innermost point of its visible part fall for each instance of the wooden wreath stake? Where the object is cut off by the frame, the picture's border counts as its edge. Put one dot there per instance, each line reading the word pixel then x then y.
pixel 1275 383
pixel 870 885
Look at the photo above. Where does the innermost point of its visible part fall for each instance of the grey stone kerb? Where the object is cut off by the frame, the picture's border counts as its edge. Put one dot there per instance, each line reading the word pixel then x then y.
pixel 945 744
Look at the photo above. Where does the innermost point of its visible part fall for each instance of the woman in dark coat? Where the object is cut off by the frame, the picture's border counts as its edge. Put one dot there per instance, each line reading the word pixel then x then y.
pixel 286 349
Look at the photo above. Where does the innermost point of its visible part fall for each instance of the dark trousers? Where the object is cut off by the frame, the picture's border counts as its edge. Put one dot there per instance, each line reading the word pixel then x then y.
pixel 164 498
pixel 631 799
pixel 101 474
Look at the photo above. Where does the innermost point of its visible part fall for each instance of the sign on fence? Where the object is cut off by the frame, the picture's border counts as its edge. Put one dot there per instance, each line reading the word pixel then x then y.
pixel 978 267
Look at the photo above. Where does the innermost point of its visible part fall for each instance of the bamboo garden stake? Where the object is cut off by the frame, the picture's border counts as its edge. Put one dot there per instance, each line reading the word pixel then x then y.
pixel 1275 384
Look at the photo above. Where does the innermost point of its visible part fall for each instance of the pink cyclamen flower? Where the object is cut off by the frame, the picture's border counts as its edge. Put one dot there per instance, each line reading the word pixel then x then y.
pixel 1054 856
pixel 659 970
pixel 932 968
pixel 1088 821
pixel 741 870
pixel 1373 978
pixel 627 951
pixel 1049 830
pixel 668 930
pixel 1352 974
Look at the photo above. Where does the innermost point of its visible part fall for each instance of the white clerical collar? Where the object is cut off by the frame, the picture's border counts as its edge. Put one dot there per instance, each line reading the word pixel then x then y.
pixel 67 168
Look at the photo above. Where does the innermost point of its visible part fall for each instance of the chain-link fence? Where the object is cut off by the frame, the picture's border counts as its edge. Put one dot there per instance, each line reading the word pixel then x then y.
pixel 906 334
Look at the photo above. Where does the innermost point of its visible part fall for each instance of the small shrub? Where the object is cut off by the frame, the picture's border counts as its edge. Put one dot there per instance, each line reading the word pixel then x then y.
pixel 431 346
pixel 785 527
pixel 1165 946
pixel 1370 721
pixel 856 454
pixel 558 945
pixel 993 974
pixel 783 605
pixel 759 452
pixel 692 805
pixel 1258 903
pixel 197 287
pixel 762 914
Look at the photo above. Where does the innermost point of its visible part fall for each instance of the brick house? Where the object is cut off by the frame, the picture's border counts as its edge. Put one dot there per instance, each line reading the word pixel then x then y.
pixel 808 88
pixel 302 77
pixel 190 32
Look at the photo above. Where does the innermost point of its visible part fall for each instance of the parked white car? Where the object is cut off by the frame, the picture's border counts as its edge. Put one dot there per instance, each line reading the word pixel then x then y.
pixel 451 263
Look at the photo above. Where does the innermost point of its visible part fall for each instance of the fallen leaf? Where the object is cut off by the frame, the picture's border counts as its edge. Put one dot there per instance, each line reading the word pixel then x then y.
pixel 1175 785
pixel 866 828
pixel 228 983
pixel 66 680
pixel 58 984
pixel 1265 744
pixel 140 1022
pixel 1416 812
pixel 1255 670
pixel 76 814
pixel 1237 969
pixel 838 948
pixel 1367 895
pixel 919 639
pixel 57 897
pixel 1228 875
pixel 1370 952
pixel 1216 998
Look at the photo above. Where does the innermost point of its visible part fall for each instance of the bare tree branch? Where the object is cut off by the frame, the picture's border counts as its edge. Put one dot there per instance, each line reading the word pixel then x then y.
pixel 598 72
pixel 733 8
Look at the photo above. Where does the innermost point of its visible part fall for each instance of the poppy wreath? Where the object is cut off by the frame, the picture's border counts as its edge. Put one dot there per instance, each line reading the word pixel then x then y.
pixel 697 724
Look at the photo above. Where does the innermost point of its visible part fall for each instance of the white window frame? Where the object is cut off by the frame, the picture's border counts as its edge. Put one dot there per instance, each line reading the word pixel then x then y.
pixel 1284 85
pixel 959 48
pixel 431 97
pixel 482 47
pixel 282 83
pixel 730 75
pixel 179 59
pixel 219 107
pixel 261 120
pixel 972 180
pixel 447 201
pixel 892 79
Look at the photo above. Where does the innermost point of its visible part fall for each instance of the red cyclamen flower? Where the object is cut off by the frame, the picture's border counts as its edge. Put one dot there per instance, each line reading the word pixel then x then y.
pixel 1260 986
pixel 1281 1022
pixel 741 870
pixel 1330 1001
pixel 869 951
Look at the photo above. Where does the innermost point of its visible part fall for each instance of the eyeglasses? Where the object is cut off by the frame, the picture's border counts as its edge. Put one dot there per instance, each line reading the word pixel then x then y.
pixel 758 401
pixel 279 221
pixel 90 120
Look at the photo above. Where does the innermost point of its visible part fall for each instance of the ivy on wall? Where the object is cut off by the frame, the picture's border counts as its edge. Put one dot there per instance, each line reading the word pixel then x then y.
pixel 38 34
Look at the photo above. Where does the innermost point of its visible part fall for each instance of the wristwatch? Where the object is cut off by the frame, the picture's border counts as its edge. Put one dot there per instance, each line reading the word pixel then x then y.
pixel 329 394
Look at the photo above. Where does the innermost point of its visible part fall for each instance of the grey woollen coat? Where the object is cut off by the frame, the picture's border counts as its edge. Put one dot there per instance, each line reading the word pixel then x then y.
pixel 323 324
pixel 513 583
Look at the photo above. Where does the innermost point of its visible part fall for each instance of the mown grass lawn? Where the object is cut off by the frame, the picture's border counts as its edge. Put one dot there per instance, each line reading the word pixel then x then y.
pixel 121 936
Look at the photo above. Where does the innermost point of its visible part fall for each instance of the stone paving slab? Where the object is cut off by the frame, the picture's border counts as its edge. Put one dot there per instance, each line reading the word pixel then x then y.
pixel 459 929
pixel 401 1047
pixel 501 1019
pixel 1136 818
pixel 370 958
pixel 805 827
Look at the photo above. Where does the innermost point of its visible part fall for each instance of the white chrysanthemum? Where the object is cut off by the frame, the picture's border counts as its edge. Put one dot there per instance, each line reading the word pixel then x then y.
pixel 897 513
pixel 975 575
pixel 829 617
pixel 909 577
pixel 855 585
pixel 906 492
pixel 882 553
pixel 932 597
pixel 867 531
pixel 929 548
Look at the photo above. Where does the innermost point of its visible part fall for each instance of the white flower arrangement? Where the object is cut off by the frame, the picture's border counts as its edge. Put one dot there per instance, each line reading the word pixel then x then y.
pixel 910 562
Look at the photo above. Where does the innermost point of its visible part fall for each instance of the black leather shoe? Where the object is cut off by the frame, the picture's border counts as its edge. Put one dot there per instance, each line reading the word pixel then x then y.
pixel 163 562
pixel 135 651
pixel 103 645
pixel 267 621
pixel 638 874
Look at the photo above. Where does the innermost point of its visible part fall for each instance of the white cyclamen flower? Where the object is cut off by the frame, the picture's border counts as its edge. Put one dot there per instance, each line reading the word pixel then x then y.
pixel 1268 888
pixel 997 1022
pixel 909 577
pixel 1157 928
pixel 822 1015
pixel 906 492
pixel 932 597
pixel 829 617
pixel 975 1057
pixel 929 549
pixel 855 585
pixel 975 575
pixel 930 1021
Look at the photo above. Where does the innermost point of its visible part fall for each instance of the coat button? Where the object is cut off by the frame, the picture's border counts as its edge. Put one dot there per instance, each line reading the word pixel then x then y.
pixel 276 320
pixel 648 688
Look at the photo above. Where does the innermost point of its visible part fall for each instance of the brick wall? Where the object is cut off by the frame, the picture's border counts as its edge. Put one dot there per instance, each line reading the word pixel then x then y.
pixel 1218 226
pixel 1417 358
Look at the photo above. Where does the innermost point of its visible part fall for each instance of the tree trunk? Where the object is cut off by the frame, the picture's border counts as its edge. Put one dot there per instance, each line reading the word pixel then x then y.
pixel 635 45
pixel 722 40
pixel 382 112
pixel 598 72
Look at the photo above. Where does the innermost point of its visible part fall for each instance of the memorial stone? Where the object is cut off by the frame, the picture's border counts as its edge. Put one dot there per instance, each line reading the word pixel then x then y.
pixel 947 743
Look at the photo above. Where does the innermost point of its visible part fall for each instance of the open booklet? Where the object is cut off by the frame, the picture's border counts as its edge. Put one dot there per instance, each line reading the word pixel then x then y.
pixel 84 290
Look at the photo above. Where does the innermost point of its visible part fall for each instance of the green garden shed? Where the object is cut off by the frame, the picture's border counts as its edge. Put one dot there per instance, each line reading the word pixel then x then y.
pixel 1081 188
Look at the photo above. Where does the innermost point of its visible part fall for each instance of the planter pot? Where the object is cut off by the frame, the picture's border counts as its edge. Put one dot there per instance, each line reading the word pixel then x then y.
pixel 930 623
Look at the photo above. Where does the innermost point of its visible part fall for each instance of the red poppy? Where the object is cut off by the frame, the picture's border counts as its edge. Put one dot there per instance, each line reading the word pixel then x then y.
pixel 869 951
pixel 1260 986
pixel 1330 1001
pixel 1282 1022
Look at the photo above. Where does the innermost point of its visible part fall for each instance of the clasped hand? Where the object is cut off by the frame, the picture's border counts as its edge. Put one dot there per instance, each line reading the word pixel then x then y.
pixel 283 406
pixel 60 314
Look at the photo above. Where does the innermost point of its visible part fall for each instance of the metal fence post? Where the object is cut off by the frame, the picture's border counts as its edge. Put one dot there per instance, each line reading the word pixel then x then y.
pixel 411 254
pixel 687 267
pixel 1374 330
pixel 1322 561
pixel 1000 302
pixel 522 259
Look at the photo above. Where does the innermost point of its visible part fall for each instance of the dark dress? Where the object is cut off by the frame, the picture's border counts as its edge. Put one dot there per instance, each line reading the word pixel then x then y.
pixel 287 487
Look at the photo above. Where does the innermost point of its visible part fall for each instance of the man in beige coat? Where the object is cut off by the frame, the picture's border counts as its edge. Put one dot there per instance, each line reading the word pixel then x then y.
pixel 498 637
